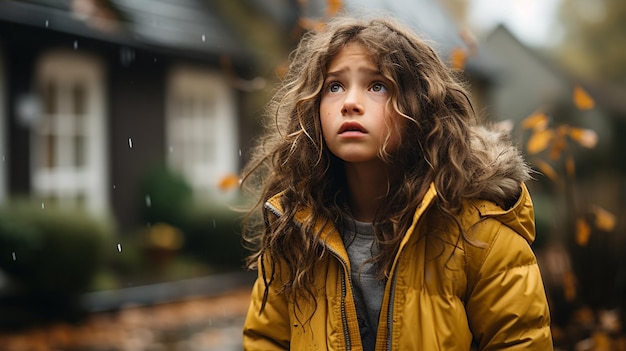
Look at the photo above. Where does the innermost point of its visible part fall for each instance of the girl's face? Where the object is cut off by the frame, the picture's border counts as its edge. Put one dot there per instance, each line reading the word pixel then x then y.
pixel 353 109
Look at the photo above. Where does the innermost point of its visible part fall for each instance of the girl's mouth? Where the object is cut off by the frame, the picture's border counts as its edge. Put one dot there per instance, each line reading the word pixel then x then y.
pixel 352 127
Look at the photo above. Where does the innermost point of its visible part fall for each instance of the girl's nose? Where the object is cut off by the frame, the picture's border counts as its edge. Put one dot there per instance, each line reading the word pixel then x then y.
pixel 352 104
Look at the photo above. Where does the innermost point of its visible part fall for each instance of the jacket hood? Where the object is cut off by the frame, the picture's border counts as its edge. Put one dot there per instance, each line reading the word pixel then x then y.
pixel 520 217
pixel 500 170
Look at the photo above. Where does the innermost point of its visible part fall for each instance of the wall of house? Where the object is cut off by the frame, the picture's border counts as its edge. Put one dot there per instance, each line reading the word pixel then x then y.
pixel 136 125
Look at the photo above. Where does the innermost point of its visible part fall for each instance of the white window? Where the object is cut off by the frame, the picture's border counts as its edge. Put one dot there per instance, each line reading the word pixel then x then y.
pixel 68 141
pixel 201 129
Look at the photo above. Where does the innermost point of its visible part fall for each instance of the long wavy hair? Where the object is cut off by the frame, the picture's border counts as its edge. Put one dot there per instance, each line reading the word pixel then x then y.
pixel 292 158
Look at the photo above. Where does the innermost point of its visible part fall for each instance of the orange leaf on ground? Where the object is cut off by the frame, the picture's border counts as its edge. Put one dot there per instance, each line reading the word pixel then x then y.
pixel 583 231
pixel 539 141
pixel 582 100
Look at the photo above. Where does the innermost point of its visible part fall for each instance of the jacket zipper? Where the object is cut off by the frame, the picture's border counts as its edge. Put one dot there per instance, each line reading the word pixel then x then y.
pixel 344 289
pixel 392 294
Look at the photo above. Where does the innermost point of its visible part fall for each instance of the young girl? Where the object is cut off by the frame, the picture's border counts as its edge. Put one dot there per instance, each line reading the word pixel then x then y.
pixel 391 219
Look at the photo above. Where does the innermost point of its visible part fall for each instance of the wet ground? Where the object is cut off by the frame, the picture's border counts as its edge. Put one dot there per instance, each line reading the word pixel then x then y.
pixel 193 324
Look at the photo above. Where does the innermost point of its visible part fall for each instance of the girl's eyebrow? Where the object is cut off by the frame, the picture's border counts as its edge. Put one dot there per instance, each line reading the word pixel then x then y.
pixel 366 70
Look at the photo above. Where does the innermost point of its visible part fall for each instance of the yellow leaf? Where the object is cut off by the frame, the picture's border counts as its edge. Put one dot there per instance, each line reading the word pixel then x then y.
pixel 585 137
pixel 605 220
pixel 582 100
pixel 547 170
pixel 583 231
pixel 333 7
pixel 558 146
pixel 228 182
pixel 570 167
pixel 310 24
pixel 536 121
pixel 539 141
pixel 458 57
pixel 569 286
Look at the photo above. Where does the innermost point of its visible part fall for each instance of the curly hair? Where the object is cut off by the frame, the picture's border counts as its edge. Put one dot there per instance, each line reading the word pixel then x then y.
pixel 292 158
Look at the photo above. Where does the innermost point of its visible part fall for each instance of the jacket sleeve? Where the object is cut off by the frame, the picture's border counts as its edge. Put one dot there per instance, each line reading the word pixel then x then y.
pixel 507 307
pixel 268 329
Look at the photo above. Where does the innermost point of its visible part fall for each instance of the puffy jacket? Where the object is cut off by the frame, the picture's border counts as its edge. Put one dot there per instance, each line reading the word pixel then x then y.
pixel 443 293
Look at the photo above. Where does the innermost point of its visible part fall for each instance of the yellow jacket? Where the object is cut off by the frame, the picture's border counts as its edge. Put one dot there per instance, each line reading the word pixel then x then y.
pixel 442 294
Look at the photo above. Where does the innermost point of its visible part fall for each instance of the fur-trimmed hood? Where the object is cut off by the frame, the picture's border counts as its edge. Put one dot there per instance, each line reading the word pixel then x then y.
pixel 501 170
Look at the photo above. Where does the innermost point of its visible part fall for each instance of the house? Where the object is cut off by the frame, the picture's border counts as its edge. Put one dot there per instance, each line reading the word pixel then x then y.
pixel 94 93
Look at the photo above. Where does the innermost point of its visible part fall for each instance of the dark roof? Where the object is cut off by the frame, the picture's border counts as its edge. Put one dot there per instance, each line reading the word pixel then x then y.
pixel 189 27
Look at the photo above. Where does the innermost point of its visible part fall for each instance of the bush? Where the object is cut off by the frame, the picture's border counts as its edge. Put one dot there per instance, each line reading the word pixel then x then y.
pixel 50 250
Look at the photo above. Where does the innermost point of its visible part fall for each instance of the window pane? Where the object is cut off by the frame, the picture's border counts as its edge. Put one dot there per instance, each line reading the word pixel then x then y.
pixel 79 151
pixel 50 95
pixel 79 99
pixel 47 151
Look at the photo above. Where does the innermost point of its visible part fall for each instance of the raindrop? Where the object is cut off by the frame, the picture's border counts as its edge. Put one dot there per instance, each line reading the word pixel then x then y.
pixel 239 152
pixel 119 247
pixel 75 44
pixel 47 23
pixel 213 222
pixel 3 158
pixel 148 201
pixel 155 59
pixel 13 254
pixel 203 37
pixel 130 143
pixel 114 186
pixel 171 149
pixel 43 206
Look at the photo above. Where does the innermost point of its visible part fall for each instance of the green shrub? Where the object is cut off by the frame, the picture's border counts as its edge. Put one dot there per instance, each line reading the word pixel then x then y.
pixel 50 250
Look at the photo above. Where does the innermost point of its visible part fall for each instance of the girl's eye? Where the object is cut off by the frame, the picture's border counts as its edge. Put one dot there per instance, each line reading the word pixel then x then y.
pixel 334 88
pixel 379 88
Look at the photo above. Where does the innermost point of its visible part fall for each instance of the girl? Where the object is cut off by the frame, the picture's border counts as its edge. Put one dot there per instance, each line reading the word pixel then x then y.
pixel 391 219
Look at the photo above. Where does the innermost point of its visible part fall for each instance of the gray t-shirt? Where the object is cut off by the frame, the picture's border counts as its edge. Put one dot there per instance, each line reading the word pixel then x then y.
pixel 358 238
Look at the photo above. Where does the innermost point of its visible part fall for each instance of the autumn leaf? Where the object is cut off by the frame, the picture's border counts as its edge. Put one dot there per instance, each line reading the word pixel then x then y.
pixel 333 7
pixel 605 220
pixel 539 141
pixel 547 170
pixel 310 24
pixel 228 182
pixel 558 146
pixel 458 57
pixel 536 121
pixel 585 137
pixel 569 286
pixel 583 231
pixel 582 100
pixel 570 167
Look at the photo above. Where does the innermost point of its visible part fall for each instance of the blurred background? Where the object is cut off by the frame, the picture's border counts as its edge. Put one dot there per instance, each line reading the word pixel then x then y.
pixel 124 125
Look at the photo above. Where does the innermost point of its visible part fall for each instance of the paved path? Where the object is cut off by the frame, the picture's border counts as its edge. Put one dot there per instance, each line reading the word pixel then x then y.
pixel 159 320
